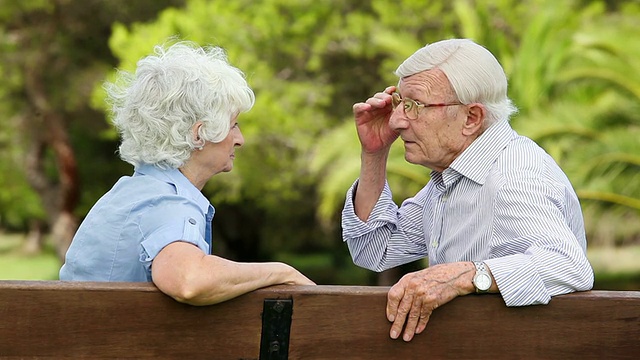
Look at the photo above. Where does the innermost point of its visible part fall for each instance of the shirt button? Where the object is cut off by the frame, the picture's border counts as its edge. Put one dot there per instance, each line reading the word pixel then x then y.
pixel 192 221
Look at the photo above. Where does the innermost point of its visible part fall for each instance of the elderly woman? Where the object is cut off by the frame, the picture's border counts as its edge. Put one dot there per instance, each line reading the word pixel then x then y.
pixel 178 121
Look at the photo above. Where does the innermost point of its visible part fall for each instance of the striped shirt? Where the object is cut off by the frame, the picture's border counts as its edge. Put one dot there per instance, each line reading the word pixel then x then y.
pixel 503 201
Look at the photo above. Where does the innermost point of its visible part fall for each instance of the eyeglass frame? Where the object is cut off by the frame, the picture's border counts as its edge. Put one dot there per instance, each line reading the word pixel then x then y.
pixel 396 99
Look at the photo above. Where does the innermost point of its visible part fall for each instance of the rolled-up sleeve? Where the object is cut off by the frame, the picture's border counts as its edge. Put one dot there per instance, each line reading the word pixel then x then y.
pixel 173 219
pixel 537 255
pixel 391 236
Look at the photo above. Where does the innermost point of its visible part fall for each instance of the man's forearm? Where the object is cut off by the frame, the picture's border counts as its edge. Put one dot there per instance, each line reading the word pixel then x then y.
pixel 373 172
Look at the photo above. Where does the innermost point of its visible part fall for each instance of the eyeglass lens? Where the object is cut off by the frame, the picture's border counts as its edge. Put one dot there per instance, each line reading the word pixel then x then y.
pixel 409 106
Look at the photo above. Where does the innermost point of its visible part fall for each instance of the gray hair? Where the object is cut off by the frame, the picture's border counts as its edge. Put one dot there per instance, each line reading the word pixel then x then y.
pixel 155 108
pixel 474 73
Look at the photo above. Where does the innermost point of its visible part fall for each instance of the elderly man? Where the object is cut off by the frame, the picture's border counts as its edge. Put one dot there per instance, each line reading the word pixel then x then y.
pixel 497 216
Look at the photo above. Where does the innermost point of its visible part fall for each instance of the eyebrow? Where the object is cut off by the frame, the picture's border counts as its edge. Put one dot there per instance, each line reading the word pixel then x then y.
pixel 414 99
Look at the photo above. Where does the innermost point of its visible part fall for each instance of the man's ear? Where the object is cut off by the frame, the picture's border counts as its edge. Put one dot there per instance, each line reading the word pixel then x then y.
pixel 474 123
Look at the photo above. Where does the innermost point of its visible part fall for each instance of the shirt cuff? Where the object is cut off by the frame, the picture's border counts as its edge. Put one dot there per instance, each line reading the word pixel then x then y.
pixel 190 233
pixel 382 214
pixel 518 281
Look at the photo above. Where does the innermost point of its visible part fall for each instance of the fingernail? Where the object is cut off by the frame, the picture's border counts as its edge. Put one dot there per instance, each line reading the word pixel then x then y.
pixel 391 318
pixel 406 337
pixel 394 334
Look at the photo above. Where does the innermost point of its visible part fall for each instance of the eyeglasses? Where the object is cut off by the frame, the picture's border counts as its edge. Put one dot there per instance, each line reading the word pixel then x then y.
pixel 412 108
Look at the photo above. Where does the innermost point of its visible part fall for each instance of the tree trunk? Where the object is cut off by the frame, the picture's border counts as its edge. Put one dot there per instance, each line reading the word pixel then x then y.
pixel 49 137
pixel 59 197
pixel 34 241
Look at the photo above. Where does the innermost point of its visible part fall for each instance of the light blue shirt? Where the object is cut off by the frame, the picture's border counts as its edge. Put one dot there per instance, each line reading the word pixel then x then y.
pixel 133 222
pixel 503 201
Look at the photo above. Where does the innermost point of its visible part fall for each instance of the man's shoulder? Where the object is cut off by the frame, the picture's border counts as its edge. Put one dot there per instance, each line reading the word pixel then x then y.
pixel 522 155
pixel 524 161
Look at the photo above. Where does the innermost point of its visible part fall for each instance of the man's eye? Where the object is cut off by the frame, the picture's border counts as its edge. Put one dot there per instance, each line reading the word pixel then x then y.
pixel 407 105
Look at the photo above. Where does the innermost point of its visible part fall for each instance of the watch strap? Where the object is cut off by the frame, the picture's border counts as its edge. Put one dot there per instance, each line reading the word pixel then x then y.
pixel 481 269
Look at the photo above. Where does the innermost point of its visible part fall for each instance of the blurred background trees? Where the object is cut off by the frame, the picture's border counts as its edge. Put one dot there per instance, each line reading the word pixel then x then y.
pixel 572 68
pixel 54 161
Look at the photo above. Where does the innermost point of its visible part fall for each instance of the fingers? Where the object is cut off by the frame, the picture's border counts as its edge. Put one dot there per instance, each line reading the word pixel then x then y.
pixel 395 294
pixel 306 281
pixel 425 314
pixel 410 303
pixel 390 89
pixel 373 107
pixel 397 309
pixel 412 300
pixel 378 100
pixel 359 108
pixel 303 280
pixel 412 319
pixel 416 320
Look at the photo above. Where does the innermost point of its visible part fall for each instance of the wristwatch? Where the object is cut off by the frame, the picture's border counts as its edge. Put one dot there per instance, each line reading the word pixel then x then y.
pixel 481 280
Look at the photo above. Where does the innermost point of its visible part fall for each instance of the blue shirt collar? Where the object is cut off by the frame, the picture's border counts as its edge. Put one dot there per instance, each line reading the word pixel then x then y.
pixel 183 186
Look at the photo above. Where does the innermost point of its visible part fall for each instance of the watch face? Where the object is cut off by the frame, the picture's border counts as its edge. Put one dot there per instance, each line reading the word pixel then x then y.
pixel 483 282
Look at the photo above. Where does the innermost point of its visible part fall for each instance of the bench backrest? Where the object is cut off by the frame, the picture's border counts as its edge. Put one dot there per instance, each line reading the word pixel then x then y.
pixel 54 319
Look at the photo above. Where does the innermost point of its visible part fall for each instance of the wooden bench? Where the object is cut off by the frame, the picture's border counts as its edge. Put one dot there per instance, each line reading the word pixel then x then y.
pixel 53 319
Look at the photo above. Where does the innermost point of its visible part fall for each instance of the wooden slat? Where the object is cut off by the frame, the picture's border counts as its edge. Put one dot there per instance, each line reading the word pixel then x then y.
pixel 594 325
pixel 111 320
pixel 115 320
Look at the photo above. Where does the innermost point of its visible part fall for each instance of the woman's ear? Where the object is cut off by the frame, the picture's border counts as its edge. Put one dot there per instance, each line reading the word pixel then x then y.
pixel 474 123
pixel 198 141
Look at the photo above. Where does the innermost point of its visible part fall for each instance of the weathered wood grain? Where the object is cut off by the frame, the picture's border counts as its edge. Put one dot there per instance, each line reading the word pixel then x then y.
pixel 53 319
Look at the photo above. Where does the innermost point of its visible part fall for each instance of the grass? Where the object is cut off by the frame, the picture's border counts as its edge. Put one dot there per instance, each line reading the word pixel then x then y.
pixel 16 265
pixel 615 268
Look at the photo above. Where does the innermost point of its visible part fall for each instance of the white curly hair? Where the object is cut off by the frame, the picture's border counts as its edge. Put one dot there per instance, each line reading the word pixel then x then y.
pixel 155 107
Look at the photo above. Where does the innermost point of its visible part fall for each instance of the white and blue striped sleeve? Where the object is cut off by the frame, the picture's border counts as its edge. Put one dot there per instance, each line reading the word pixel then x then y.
pixel 534 252
pixel 391 236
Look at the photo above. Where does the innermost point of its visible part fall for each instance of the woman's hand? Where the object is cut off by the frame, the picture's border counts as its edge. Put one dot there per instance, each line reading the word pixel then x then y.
pixel 294 277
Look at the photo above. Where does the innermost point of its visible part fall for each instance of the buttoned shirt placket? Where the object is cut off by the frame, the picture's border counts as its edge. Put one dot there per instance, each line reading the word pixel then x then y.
pixel 444 184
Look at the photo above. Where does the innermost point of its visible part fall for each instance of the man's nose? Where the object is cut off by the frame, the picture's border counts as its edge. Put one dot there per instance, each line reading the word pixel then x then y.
pixel 398 119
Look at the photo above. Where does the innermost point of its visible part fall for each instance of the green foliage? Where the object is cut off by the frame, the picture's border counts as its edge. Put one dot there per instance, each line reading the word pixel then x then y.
pixel 310 61
pixel 575 80
pixel 572 67
pixel 52 53
pixel 18 202
pixel 585 111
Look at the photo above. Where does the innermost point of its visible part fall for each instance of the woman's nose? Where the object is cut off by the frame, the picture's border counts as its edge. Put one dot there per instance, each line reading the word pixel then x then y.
pixel 239 138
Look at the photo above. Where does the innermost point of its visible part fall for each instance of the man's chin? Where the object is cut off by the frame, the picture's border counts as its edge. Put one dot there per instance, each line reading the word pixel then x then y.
pixel 410 159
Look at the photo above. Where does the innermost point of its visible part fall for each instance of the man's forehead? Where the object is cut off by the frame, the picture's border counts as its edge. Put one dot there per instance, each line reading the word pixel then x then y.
pixel 428 82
